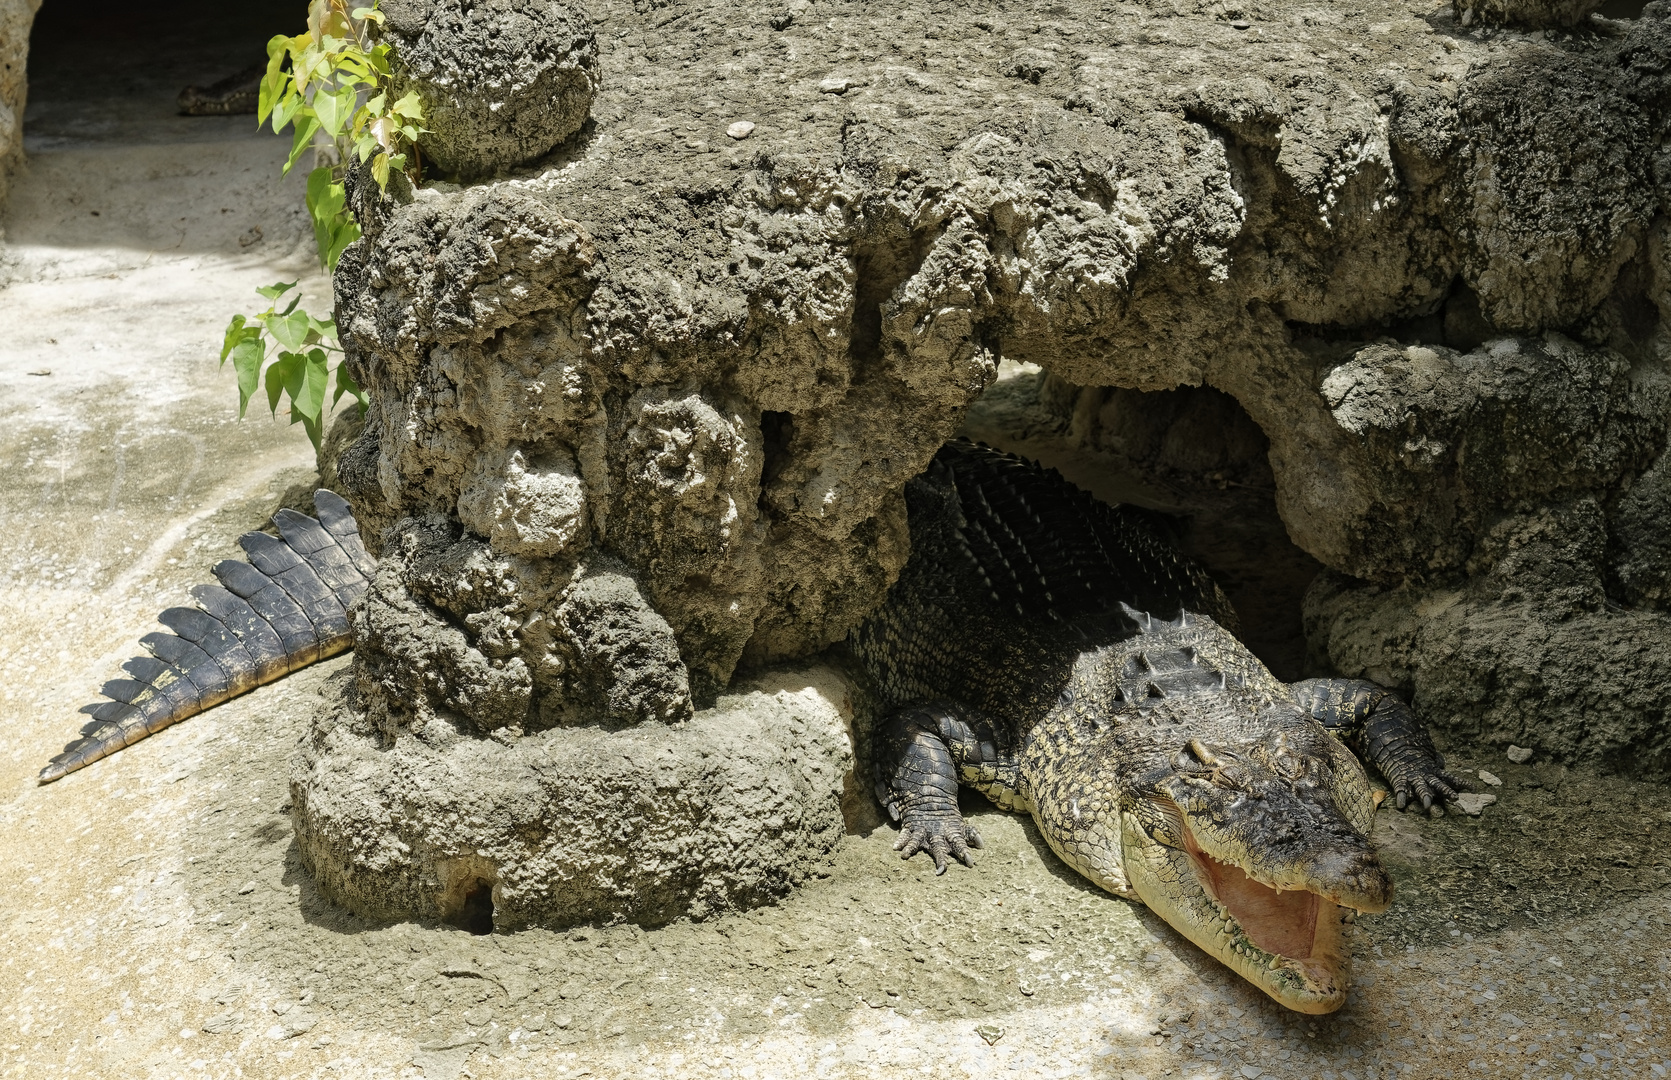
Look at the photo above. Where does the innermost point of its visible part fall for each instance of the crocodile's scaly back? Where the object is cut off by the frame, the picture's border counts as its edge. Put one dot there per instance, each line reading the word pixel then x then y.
pixel 1013 572
pixel 283 609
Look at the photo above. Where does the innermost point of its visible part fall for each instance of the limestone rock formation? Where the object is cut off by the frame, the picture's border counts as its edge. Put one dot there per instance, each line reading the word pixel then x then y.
pixel 15 18
pixel 728 811
pixel 502 82
pixel 1527 13
pixel 640 417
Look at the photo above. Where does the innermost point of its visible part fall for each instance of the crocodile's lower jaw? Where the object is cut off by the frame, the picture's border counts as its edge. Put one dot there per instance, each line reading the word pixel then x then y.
pixel 1287 942
pixel 1174 884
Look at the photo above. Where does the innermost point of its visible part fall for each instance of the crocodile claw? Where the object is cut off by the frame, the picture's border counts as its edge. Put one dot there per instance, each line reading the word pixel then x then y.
pixel 1426 786
pixel 940 835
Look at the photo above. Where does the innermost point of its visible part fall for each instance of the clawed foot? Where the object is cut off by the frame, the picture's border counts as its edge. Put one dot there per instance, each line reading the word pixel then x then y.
pixel 939 834
pixel 1425 783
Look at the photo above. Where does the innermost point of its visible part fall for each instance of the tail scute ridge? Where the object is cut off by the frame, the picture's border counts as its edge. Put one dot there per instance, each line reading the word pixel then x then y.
pixel 281 610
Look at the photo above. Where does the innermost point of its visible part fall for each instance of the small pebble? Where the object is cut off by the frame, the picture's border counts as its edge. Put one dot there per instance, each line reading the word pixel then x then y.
pixel 742 129
pixel 1471 804
pixel 246 888
pixel 989 1033
pixel 1241 24
pixel 1519 754
pixel 1490 779
pixel 835 84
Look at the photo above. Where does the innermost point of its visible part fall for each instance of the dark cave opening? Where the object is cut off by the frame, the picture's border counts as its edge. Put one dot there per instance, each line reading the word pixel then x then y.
pixel 1192 453
pixel 103 71
pixel 1622 9
pixel 476 914
pixel 777 430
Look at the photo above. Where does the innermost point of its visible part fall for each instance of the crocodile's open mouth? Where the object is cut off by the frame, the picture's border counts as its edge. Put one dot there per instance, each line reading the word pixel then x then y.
pixel 1287 940
pixel 1280 921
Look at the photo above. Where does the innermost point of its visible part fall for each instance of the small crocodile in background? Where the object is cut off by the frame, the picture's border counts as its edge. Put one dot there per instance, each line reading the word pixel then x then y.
pixel 1051 651
pixel 235 94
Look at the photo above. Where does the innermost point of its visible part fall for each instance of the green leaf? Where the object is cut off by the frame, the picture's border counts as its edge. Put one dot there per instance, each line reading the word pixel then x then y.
pixel 289 330
pixel 306 65
pixel 409 107
pixel 272 84
pixel 307 397
pixel 279 373
pixel 334 109
pixel 368 14
pixel 346 384
pixel 274 291
pixel 246 360
pixel 306 125
pixel 234 334
pixel 380 170
pixel 285 108
pixel 327 206
pixel 347 233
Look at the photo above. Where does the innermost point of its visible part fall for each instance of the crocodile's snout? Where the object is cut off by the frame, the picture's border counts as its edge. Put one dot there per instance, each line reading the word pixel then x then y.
pixel 1351 878
pixel 1245 848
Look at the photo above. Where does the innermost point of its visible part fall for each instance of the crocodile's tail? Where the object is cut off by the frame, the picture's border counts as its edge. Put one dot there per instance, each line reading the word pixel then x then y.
pixel 283 609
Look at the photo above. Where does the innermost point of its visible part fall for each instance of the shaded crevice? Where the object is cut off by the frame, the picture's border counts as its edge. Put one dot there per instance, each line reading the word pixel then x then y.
pixel 880 267
pixel 777 431
pixel 476 916
pixel 1455 323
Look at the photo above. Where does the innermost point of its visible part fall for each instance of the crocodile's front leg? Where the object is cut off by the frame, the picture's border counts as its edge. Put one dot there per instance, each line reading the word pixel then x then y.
pixel 1382 729
pixel 922 752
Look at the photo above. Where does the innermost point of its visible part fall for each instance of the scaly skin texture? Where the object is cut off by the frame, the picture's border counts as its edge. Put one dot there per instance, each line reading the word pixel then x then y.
pixel 1059 656
pixel 284 609
pixel 237 93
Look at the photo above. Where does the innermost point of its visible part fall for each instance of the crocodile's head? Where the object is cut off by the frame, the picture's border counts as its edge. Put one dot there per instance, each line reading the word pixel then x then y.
pixel 1258 852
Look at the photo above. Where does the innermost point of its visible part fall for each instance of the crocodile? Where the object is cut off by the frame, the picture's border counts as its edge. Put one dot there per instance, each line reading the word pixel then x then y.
pixel 1061 657
pixel 234 95
pixel 1053 652
pixel 283 609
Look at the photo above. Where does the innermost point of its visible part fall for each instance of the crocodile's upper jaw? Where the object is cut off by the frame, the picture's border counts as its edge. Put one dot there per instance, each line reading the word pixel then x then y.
pixel 1287 942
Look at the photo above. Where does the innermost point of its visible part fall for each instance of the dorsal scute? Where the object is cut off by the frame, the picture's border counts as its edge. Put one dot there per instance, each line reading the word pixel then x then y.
pixel 283 609
pixel 1048 549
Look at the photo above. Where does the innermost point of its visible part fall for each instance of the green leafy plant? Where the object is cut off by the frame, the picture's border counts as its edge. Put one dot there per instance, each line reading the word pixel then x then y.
pixel 300 366
pixel 334 87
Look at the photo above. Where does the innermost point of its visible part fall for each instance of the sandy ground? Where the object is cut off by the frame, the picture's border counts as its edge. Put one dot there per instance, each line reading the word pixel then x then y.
pixel 153 921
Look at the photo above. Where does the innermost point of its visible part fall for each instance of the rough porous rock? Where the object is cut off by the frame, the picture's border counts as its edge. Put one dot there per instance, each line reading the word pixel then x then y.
pixel 672 385
pixel 727 811
pixel 502 81
pixel 16 16
pixel 1427 262
pixel 1527 13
